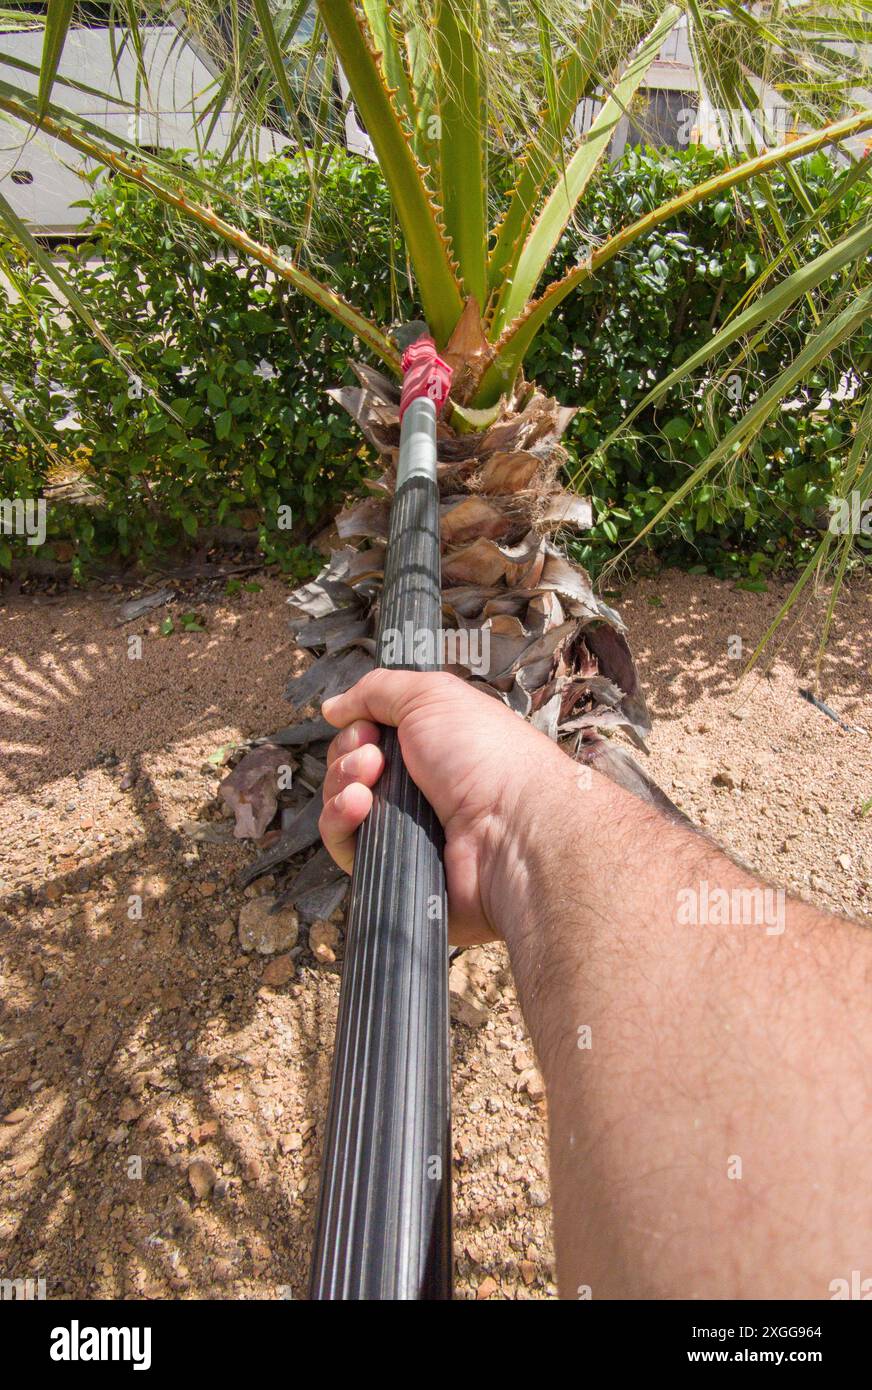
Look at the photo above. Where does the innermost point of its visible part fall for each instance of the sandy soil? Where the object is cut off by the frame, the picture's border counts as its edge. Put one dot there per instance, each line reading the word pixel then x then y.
pixel 135 1046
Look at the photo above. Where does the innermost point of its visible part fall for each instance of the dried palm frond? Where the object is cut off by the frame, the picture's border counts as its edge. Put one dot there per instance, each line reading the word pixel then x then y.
pixel 548 646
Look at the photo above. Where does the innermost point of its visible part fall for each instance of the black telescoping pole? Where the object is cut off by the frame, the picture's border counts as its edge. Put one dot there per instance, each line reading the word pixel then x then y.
pixel 384 1218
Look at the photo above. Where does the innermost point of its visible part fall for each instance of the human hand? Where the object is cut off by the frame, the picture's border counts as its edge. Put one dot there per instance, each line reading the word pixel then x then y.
pixel 472 758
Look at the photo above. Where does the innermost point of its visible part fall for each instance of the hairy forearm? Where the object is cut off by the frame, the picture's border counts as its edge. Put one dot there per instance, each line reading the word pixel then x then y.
pixel 707 1078
pixel 707 1070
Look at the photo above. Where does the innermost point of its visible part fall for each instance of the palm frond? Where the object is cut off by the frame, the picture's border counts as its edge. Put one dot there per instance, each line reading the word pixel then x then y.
pixel 517 339
pixel 858 479
pixel 419 218
pixel 301 280
pixel 461 109
pixel 843 321
pixel 852 248
pixel 57 23
pixel 558 208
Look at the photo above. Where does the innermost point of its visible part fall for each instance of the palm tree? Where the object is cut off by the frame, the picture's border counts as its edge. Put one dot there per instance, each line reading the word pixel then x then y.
pixel 470 106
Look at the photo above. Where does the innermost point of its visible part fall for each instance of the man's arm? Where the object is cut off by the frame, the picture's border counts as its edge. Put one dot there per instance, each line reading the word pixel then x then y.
pixel 705 1043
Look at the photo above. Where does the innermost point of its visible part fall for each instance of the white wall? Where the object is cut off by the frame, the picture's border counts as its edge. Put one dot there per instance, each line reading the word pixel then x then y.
pixel 179 85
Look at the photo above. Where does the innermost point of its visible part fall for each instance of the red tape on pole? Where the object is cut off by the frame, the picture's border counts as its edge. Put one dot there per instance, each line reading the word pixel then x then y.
pixel 424 374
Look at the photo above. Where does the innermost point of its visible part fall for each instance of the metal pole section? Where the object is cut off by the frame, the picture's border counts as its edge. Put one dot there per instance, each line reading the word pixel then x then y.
pixel 384 1218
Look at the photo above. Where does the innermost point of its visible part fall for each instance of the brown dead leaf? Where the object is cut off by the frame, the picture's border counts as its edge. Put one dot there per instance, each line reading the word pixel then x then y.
pixel 251 790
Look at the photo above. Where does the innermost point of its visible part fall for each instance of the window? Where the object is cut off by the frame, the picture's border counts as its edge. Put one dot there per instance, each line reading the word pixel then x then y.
pixel 661 116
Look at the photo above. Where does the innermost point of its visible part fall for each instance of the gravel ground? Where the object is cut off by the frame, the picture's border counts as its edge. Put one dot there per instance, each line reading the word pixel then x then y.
pixel 163 1091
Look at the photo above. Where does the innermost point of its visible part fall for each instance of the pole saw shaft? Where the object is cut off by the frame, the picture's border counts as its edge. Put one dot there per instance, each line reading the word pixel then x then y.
pixel 384 1220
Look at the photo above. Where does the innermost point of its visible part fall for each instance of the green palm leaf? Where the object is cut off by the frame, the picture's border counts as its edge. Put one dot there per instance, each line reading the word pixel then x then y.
pixel 839 326
pixel 57 22
pixel 518 337
pixel 461 143
pixel 419 219
pixel 558 209
pixel 767 310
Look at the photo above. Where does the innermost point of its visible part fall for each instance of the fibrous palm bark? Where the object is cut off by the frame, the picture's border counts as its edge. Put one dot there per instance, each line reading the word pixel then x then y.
pixel 537 635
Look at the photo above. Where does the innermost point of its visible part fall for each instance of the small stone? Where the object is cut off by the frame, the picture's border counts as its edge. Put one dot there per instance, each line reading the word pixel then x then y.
pixel 537 1196
pixel 522 1061
pixel 724 779
pixel 224 931
pixel 487 1288
pixel 251 1170
pixel 265 931
pixel 467 1005
pixel 528 1271
pixel 323 940
pixel 291 1143
pixel 207 890
pixel 15 1116
pixel 130 1110
pixel 279 970
pixel 844 862
pixel 531 1082
pixel 202 1177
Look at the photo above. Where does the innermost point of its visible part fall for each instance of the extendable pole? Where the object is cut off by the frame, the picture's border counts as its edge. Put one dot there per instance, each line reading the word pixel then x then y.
pixel 384 1218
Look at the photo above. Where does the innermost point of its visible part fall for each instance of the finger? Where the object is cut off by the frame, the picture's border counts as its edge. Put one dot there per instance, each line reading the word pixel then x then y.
pixel 340 820
pixel 360 732
pixel 363 765
pixel 382 696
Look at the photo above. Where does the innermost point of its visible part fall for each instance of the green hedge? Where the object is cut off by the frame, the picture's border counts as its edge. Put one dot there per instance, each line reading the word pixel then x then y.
pixel 243 366
pixel 226 418
pixel 647 312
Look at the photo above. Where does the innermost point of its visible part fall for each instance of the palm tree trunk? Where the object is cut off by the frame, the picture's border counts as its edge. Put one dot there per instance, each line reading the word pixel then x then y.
pixel 529 628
